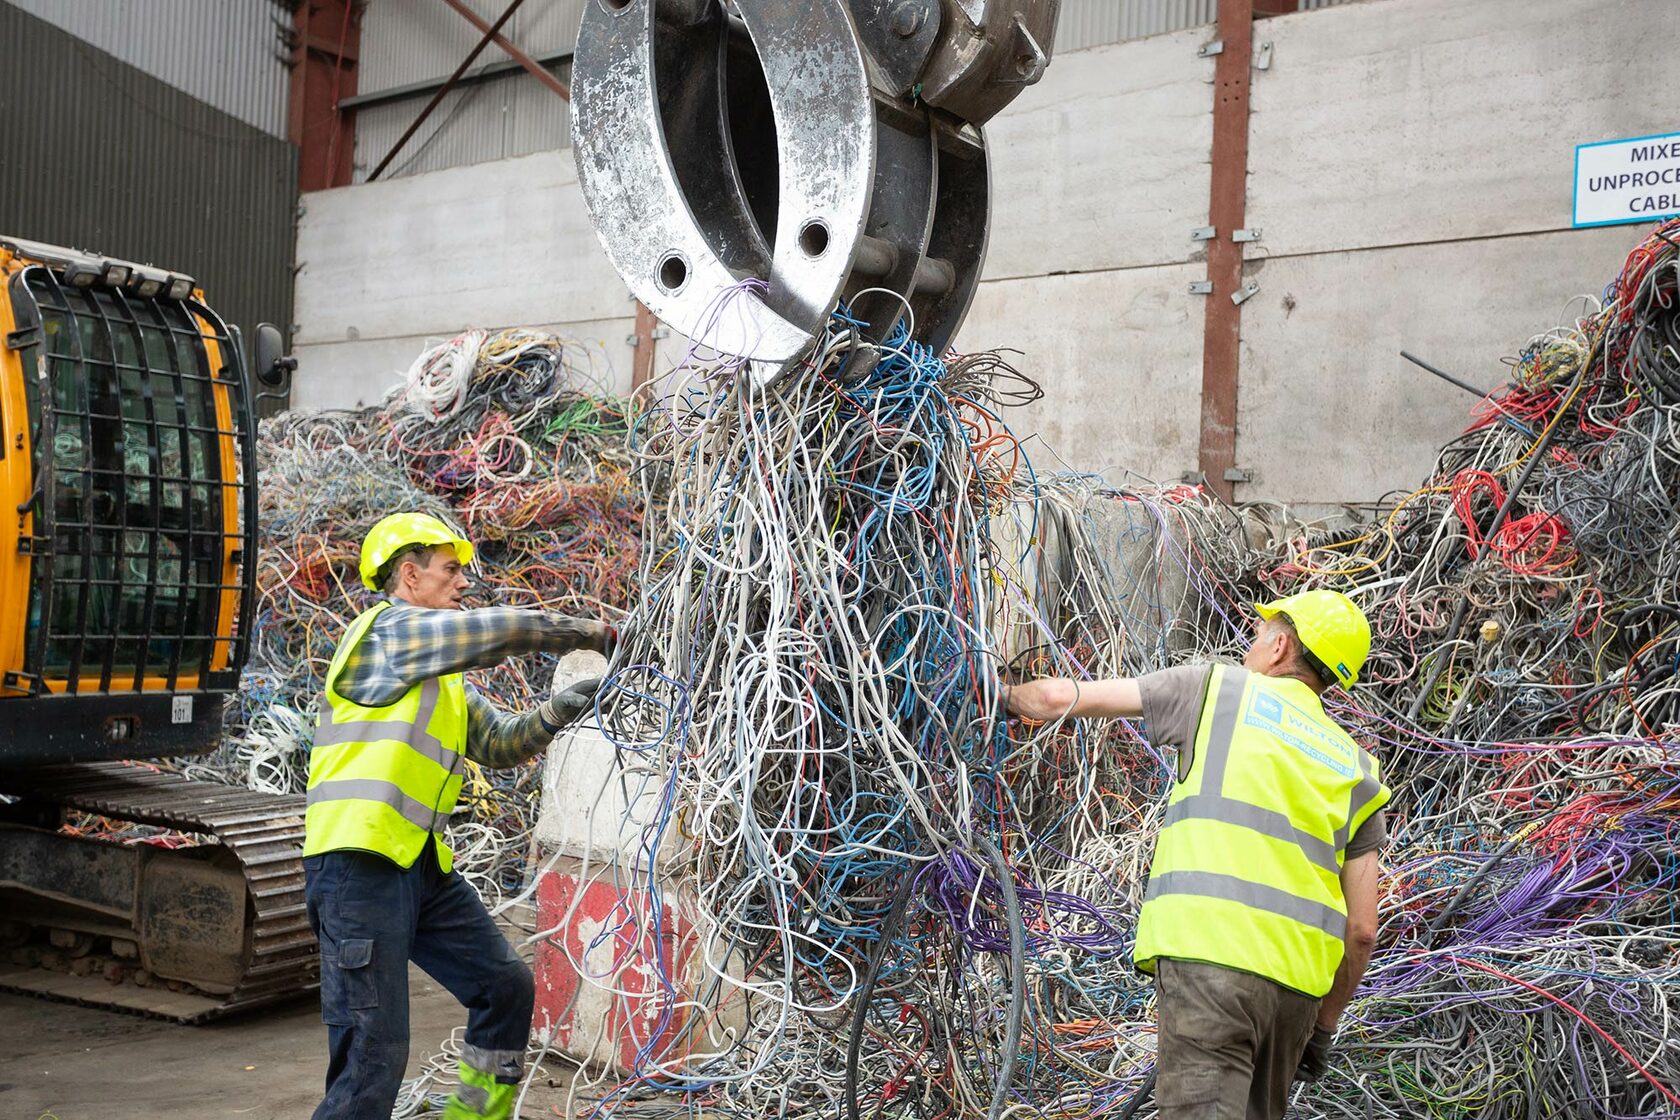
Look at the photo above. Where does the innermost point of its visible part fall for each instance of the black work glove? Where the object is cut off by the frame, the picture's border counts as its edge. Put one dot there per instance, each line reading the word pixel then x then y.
pixel 573 701
pixel 1315 1060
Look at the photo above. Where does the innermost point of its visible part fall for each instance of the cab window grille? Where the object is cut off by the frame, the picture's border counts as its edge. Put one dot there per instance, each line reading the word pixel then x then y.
pixel 143 496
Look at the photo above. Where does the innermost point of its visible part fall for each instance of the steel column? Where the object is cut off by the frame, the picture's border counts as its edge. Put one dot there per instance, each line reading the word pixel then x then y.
pixel 1227 205
pixel 641 364
pixel 326 43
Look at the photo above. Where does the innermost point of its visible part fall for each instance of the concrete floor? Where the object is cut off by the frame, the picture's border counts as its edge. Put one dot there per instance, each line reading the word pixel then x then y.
pixel 62 1062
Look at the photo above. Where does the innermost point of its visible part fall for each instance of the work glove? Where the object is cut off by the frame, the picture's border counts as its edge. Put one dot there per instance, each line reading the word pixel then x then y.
pixel 1315 1060
pixel 573 701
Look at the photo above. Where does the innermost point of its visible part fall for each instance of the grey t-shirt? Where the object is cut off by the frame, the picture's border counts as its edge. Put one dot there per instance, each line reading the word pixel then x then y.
pixel 1172 708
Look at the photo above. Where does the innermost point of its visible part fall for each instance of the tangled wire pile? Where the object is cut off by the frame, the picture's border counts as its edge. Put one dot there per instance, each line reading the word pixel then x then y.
pixel 498 434
pixel 1522 691
pixel 899 903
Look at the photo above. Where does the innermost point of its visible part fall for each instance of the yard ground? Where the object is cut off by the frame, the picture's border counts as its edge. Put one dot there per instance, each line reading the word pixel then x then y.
pixel 63 1062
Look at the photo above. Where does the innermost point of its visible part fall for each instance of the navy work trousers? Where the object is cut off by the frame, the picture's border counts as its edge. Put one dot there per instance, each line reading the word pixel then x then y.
pixel 373 917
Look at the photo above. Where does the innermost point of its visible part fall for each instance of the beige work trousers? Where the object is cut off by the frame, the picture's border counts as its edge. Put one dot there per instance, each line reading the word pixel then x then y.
pixel 1229 1042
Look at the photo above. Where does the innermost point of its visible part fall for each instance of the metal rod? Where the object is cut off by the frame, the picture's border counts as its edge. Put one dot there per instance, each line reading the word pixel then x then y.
pixel 477 74
pixel 443 90
pixel 1479 394
pixel 1444 375
pixel 535 68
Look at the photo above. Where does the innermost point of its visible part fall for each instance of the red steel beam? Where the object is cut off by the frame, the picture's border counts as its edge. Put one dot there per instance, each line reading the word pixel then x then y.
pixel 1227 207
pixel 327 37
pixel 1264 8
pixel 537 69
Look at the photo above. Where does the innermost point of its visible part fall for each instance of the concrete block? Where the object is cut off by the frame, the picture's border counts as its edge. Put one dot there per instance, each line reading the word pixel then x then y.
pixel 598 800
pixel 626 970
pixel 625 975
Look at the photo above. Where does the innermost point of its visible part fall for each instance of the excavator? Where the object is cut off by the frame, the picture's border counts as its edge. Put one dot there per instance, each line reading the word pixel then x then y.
pixel 126 602
pixel 749 165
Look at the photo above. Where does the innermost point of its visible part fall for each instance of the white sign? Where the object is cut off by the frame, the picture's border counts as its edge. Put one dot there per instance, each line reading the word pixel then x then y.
pixel 1634 180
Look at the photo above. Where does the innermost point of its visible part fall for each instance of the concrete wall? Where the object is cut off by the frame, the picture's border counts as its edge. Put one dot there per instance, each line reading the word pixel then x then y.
pixel 1411 167
pixel 384 267
pixel 1099 173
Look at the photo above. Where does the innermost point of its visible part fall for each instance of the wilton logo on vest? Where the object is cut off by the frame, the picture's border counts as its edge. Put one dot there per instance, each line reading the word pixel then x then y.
pixel 1300 730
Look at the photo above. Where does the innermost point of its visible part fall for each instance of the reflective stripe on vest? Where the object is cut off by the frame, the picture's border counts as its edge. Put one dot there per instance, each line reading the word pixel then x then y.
pixel 383 779
pixel 1247 866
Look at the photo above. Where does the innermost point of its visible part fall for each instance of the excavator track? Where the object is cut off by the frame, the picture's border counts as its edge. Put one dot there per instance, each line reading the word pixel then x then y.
pixel 198 944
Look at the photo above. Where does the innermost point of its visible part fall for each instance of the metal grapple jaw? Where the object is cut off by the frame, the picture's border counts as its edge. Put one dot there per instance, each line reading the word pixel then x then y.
pixel 748 165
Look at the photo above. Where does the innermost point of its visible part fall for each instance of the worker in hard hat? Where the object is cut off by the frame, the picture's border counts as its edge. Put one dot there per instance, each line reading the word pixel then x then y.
pixel 396 726
pixel 1261 910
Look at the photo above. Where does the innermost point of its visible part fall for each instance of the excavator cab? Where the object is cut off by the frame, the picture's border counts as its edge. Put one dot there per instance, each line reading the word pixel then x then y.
pixel 127 466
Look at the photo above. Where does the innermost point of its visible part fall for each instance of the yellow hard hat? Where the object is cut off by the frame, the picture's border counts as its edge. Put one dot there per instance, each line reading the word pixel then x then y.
pixel 1332 629
pixel 392 534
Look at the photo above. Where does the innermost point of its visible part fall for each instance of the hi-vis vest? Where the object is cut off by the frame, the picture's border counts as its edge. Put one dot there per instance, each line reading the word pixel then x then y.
pixel 383 779
pixel 1247 866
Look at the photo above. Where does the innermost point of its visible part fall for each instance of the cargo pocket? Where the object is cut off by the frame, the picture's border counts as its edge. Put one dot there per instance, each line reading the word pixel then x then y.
pixel 355 963
pixel 347 981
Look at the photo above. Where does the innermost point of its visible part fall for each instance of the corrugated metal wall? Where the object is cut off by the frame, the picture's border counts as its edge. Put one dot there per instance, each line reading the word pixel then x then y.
pixel 104 157
pixel 405 41
pixel 228 53
pixel 1095 23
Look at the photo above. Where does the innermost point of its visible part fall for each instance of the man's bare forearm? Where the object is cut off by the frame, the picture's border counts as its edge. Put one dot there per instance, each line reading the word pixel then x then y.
pixel 1355 961
pixel 1055 697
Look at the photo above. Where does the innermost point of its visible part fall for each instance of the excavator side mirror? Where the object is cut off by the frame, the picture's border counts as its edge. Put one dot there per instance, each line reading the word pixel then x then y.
pixel 274 366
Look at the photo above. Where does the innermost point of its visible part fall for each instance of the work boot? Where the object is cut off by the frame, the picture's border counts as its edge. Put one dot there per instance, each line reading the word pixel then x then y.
pixel 480 1097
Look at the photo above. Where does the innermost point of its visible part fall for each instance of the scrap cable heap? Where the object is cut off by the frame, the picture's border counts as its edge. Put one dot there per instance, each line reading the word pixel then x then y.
pixel 898 903
pixel 1521 692
pixel 872 894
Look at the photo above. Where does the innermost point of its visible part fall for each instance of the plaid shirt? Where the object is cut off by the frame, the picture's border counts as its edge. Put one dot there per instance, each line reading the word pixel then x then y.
pixel 408 644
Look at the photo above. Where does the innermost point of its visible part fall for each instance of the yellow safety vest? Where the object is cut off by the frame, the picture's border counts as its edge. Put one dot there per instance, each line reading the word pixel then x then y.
pixel 1247 866
pixel 383 779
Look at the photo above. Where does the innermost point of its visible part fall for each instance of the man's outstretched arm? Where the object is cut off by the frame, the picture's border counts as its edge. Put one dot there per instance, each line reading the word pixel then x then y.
pixel 408 645
pixel 496 738
pixel 1055 697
